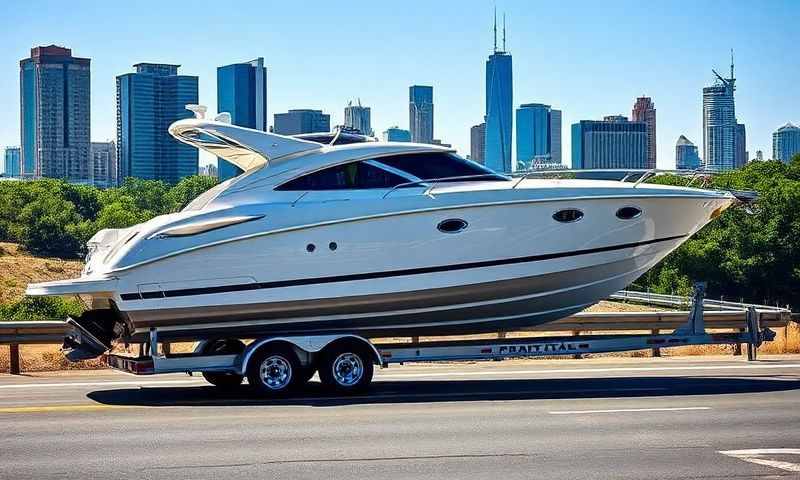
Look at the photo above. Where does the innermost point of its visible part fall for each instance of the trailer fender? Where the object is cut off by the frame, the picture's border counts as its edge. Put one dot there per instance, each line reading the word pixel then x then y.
pixel 310 344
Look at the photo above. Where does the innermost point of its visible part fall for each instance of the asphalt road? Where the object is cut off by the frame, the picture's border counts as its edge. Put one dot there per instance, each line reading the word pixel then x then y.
pixel 633 418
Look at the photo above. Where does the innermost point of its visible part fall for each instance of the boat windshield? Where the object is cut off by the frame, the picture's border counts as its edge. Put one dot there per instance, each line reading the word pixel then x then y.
pixel 440 165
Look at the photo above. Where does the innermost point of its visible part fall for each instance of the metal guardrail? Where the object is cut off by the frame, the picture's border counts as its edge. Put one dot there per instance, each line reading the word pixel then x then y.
pixel 717 314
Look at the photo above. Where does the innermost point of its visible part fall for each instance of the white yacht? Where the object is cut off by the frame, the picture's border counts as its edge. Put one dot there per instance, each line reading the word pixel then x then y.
pixel 373 238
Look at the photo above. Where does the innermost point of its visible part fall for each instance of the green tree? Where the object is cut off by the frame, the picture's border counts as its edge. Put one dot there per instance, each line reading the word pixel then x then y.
pixel 187 190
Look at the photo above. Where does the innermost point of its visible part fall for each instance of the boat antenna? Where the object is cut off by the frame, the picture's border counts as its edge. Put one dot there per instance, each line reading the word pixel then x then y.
pixel 338 130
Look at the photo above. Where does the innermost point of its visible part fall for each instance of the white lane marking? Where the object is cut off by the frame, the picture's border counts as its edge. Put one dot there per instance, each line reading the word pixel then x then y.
pixel 102 384
pixel 626 410
pixel 584 370
pixel 753 456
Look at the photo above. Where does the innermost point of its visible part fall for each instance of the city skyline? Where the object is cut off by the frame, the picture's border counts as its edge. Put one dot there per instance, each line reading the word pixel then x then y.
pixel 764 97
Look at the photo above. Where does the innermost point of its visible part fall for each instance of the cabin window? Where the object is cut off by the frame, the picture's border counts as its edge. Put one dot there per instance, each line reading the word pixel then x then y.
pixel 349 176
pixel 628 213
pixel 568 215
pixel 433 165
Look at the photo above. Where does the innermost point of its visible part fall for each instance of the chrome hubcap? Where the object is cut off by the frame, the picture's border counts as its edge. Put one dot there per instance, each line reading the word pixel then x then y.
pixel 276 372
pixel 348 369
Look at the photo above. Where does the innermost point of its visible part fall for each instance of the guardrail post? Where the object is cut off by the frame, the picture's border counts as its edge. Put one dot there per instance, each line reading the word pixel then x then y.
pixel 737 348
pixel 13 359
pixel 656 350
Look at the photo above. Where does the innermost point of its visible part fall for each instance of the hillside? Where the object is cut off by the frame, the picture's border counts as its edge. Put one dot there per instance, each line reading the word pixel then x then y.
pixel 18 268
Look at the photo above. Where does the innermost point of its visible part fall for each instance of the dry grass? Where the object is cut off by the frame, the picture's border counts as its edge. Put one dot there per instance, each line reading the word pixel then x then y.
pixel 18 268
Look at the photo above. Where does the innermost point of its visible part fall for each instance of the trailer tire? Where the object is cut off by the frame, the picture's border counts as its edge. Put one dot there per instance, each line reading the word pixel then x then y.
pixel 224 346
pixel 346 367
pixel 274 370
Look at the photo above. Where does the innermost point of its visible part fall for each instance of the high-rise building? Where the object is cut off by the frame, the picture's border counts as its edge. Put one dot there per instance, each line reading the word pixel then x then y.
pixel 396 134
pixel 686 156
pixel 785 143
pixel 242 92
pixel 477 143
pixel 741 146
pixel 55 113
pixel 440 143
pixel 12 163
pixel 148 101
pixel 499 107
pixel 644 110
pixel 538 132
pixel 295 122
pixel 611 143
pixel 760 155
pixel 104 164
pixel 719 124
pixel 209 170
pixel 420 113
pixel 357 117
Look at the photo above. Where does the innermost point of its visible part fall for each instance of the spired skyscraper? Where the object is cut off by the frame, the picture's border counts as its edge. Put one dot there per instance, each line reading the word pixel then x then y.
pixel 538 136
pixel 55 113
pixel 719 124
pixel 785 143
pixel 357 117
pixel 499 107
pixel 242 92
pixel 148 101
pixel 645 111
pixel 420 113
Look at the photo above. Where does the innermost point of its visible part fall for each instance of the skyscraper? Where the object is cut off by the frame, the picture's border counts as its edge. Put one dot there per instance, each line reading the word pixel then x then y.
pixel 785 143
pixel 104 164
pixel 741 146
pixel 148 101
pixel 55 113
pixel 719 124
pixel 242 92
pixel 420 113
pixel 760 154
pixel 12 163
pixel 538 130
pixel 396 134
pixel 298 121
pixel 686 157
pixel 611 143
pixel 477 143
pixel 645 111
pixel 499 107
pixel 357 117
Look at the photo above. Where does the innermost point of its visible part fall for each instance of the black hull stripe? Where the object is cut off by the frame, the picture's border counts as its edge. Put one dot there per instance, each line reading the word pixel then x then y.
pixel 386 274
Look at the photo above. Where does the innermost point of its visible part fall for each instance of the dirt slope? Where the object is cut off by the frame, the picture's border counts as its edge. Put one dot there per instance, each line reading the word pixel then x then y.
pixel 18 268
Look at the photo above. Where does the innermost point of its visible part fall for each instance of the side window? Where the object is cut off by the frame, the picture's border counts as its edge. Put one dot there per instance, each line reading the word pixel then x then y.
pixel 350 176
pixel 433 165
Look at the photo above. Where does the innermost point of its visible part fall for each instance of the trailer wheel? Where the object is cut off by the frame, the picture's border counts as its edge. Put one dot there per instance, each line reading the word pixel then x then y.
pixel 346 367
pixel 273 370
pixel 224 346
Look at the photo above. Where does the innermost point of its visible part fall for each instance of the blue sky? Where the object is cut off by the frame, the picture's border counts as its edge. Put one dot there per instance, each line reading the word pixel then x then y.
pixel 587 58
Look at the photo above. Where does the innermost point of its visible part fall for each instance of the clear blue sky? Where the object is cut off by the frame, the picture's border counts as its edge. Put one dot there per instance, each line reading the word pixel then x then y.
pixel 587 58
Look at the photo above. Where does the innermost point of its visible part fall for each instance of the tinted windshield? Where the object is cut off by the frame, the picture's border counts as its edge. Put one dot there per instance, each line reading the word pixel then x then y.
pixel 433 165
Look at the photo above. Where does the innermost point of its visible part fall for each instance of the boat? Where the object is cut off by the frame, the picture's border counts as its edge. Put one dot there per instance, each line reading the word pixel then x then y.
pixel 374 238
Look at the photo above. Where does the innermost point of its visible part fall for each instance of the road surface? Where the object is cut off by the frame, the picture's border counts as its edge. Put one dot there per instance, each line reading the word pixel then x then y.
pixel 622 418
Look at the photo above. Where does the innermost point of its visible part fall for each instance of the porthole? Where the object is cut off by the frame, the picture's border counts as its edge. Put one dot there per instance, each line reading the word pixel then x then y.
pixel 452 225
pixel 310 247
pixel 568 215
pixel 333 246
pixel 628 213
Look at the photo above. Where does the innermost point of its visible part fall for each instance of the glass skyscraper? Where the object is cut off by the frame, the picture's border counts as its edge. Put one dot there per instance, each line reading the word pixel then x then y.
pixel 645 111
pixel 612 143
pixel 148 101
pixel 242 92
pixel 295 122
pixel 499 111
pixel 358 118
pixel 55 113
pixel 686 157
pixel 12 162
pixel 785 143
pixel 396 134
pixel 719 124
pixel 420 113
pixel 538 136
